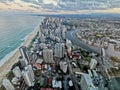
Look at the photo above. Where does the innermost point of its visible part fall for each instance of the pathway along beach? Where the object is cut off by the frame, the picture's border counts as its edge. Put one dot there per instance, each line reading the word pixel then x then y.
pixel 6 67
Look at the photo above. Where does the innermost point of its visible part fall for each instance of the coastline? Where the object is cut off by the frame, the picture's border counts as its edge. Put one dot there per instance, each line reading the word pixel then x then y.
pixel 9 61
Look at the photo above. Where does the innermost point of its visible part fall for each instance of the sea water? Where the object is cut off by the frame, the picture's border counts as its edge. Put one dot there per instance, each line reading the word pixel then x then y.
pixel 13 31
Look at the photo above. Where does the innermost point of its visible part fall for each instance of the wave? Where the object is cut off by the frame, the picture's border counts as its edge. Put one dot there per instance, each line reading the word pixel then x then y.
pixel 4 49
pixel 9 55
pixel 22 39
pixel 9 46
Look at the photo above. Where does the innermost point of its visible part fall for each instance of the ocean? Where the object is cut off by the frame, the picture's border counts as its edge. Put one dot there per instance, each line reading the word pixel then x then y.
pixel 14 29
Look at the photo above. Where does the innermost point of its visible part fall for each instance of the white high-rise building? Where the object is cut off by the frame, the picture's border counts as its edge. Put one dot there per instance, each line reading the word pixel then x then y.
pixel 28 75
pixel 63 35
pixel 7 84
pixel 68 45
pixel 64 32
pixel 59 50
pixel 17 72
pixel 93 63
pixel 24 52
pixel 87 83
pixel 42 38
pixel 48 55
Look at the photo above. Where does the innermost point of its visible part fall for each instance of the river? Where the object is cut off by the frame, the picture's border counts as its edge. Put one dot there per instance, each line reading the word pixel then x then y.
pixel 71 35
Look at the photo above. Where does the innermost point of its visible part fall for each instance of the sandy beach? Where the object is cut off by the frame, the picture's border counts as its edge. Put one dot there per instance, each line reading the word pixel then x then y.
pixel 6 67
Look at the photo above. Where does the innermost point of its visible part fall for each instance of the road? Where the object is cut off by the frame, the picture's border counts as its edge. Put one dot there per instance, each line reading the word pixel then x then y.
pixel 71 72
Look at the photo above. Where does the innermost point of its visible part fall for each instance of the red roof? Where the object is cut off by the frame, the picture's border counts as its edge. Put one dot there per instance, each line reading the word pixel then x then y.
pixel 46 89
pixel 37 65
pixel 42 89
pixel 49 89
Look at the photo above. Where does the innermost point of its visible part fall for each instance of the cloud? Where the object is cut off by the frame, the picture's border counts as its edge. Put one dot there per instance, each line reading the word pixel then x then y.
pixel 62 5
pixel 53 2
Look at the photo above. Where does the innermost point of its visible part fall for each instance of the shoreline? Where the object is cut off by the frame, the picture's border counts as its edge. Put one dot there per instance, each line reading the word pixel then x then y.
pixel 9 61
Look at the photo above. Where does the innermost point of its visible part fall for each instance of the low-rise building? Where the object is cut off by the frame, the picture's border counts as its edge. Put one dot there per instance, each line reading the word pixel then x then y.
pixel 93 63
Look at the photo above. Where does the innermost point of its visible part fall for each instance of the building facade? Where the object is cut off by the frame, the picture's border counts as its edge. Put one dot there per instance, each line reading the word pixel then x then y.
pixel 48 55
pixel 28 75
pixel 8 85
pixel 17 72
pixel 59 50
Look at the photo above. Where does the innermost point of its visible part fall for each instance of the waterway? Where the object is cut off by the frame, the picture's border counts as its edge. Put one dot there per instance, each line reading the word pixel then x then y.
pixel 71 35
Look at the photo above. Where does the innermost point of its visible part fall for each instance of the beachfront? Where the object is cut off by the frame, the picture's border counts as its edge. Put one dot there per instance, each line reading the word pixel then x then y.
pixel 54 61
pixel 6 67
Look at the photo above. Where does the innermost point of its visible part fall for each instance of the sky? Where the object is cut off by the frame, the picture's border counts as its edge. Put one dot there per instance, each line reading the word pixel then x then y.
pixel 61 6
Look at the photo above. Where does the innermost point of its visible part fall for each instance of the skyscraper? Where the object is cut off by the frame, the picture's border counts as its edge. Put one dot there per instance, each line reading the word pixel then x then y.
pixel 24 52
pixel 48 55
pixel 59 50
pixel 68 45
pixel 28 75
pixel 7 84
pixel 42 38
